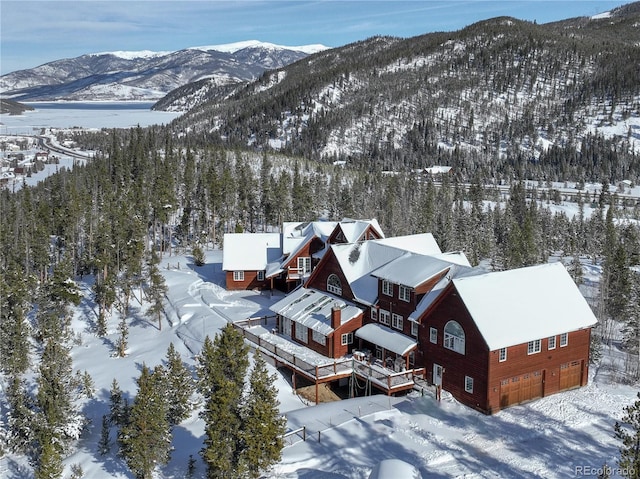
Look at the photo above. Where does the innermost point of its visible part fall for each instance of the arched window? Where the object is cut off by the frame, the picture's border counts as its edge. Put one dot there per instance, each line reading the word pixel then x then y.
pixel 454 337
pixel 334 285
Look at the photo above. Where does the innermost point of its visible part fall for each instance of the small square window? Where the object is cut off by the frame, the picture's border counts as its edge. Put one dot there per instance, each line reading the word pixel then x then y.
pixel 238 275
pixel 552 342
pixel 502 356
pixel 468 384
pixel 374 314
pixel 564 339
pixel 347 339
pixel 533 347
pixel 433 335
pixel 260 275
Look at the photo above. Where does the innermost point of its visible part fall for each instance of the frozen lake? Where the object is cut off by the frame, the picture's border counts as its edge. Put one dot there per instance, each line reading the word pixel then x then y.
pixel 84 115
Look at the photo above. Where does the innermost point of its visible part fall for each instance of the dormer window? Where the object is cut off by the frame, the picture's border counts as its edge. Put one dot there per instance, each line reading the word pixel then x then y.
pixel 404 294
pixel 387 287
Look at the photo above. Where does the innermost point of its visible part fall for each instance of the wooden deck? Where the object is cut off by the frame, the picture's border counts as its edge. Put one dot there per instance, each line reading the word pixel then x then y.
pixel 321 369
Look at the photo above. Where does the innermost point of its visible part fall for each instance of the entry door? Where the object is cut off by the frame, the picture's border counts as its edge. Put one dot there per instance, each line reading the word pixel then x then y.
pixel 437 374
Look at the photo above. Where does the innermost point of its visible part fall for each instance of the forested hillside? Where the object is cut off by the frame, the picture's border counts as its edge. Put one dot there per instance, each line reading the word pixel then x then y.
pixel 508 96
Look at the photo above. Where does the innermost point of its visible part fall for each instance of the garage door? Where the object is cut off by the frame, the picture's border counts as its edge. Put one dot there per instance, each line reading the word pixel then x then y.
pixel 521 388
pixel 570 375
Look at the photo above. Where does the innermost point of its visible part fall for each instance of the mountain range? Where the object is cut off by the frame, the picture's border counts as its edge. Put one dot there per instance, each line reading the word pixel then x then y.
pixel 498 91
pixel 147 75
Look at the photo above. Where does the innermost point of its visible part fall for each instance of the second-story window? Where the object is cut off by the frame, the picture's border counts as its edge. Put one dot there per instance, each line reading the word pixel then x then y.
pixel 404 294
pixel 387 287
pixel 396 321
pixel 304 265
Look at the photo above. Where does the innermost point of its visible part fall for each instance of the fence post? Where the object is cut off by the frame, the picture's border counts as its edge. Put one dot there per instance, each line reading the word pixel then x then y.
pixel 318 436
pixel 304 433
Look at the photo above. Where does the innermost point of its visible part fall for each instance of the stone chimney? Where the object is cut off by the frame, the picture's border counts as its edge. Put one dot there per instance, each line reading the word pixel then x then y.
pixel 336 316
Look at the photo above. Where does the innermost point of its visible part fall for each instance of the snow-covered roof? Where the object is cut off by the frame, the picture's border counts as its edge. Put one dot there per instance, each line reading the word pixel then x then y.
pixel 312 308
pixel 353 229
pixel 387 338
pixel 437 169
pixel 394 469
pixel 250 251
pixel 521 305
pixel 423 243
pixel 358 260
pixel 411 269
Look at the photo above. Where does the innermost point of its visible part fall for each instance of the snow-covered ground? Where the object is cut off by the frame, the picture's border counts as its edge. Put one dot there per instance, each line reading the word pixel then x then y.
pixel 564 435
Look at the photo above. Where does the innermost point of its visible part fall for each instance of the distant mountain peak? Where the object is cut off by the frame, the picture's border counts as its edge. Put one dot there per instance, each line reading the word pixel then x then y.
pixel 237 46
pixel 132 55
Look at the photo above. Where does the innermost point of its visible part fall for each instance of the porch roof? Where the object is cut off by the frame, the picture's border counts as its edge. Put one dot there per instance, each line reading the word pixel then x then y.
pixel 387 338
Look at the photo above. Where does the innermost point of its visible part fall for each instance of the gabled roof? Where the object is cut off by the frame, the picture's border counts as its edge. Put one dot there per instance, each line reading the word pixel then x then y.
pixel 358 261
pixel 312 308
pixel 295 234
pixel 423 243
pixel 521 305
pixel 354 229
pixel 250 251
pixel 411 269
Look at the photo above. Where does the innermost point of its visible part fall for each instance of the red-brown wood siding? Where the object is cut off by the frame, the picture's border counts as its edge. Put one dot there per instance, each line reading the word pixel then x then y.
pixel 327 266
pixel 333 347
pixel 498 384
pixel 250 281
pixel 474 363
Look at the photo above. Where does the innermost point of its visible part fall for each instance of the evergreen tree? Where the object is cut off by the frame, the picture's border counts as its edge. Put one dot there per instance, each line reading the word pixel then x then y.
pixel 180 387
pixel 121 343
pixel 145 440
pixel 628 433
pixel 156 289
pixel 263 427
pixel 117 412
pixel 222 368
pixel 49 462
pixel 104 445
pixel 20 418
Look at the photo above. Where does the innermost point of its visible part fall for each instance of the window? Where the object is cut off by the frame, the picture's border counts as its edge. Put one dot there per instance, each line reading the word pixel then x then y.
pixel 374 314
pixel 396 321
pixel 433 335
pixel 564 339
pixel 319 337
pixel 384 317
pixel 347 339
pixel 387 287
pixel 502 355
pixel 414 328
pixel 302 333
pixel 334 285
pixel 238 275
pixel 405 293
pixel 533 347
pixel 260 275
pixel 454 337
pixel 304 265
pixel 552 342
pixel 468 384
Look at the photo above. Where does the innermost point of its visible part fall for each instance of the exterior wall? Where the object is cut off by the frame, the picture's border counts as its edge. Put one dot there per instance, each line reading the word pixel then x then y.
pixel 456 366
pixel 490 376
pixel 333 347
pixel 549 363
pixel 319 276
pixel 250 281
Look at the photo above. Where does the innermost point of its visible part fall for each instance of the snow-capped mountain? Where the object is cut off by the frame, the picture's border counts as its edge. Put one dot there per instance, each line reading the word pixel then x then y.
pixel 501 90
pixel 147 75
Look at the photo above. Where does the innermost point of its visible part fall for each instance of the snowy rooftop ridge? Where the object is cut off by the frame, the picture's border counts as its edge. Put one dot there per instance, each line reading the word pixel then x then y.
pixel 521 305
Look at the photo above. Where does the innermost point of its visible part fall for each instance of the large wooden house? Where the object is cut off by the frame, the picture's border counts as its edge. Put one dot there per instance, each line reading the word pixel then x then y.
pixel 491 339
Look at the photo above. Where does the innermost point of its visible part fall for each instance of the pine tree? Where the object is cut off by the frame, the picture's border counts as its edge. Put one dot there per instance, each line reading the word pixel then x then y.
pixel 222 368
pixel 263 427
pixel 49 462
pixel 156 289
pixel 117 411
pixel 628 433
pixel 20 418
pixel 104 445
pixel 145 440
pixel 180 387
pixel 121 343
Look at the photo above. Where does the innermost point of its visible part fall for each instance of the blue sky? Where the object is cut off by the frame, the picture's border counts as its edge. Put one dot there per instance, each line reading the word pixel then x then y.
pixel 36 32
